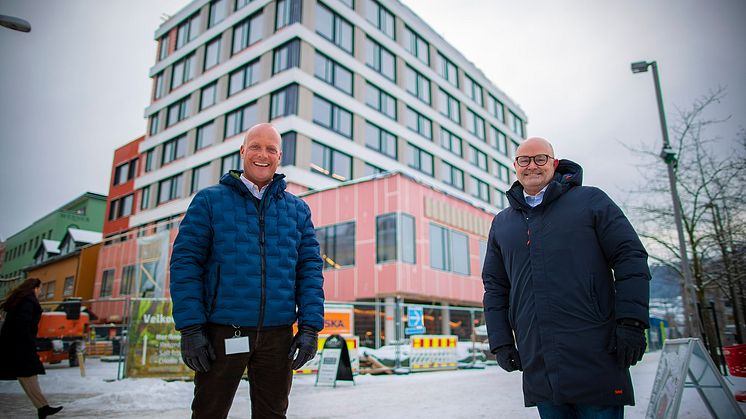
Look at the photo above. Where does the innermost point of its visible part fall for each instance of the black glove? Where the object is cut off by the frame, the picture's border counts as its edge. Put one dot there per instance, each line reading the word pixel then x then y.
pixel 508 358
pixel 628 342
pixel 305 342
pixel 196 350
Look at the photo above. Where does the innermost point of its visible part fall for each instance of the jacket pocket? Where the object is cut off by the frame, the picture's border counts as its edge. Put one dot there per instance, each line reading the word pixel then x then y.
pixel 593 299
pixel 214 300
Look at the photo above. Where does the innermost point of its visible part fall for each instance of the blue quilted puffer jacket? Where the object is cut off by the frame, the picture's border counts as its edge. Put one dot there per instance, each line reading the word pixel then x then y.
pixel 245 262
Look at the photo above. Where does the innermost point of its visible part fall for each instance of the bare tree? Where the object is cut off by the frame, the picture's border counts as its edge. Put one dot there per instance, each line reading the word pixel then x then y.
pixel 710 175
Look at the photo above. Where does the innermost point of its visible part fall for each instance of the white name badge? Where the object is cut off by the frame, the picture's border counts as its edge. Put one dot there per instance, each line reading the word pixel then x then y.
pixel 237 345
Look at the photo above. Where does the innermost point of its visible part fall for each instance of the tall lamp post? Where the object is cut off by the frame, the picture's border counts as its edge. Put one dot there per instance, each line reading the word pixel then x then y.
pixel 17 24
pixel 669 157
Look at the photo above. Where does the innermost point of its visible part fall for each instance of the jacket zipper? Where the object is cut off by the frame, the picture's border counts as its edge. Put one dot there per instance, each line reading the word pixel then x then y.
pixel 265 197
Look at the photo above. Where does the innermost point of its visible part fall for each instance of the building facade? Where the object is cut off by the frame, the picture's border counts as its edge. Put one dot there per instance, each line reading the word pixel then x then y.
pixel 85 212
pixel 401 146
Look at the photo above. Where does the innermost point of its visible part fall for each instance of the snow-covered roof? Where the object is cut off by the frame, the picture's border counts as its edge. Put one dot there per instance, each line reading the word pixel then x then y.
pixel 84 236
pixel 51 246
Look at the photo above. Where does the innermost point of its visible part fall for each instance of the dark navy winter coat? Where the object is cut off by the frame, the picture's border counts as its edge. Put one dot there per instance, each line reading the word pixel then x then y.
pixel 559 276
pixel 244 262
pixel 18 356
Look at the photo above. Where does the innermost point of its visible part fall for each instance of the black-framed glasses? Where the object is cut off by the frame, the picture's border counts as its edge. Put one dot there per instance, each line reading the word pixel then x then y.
pixel 539 159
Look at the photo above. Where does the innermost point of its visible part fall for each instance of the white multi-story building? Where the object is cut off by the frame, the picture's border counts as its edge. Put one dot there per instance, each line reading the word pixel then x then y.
pixel 355 87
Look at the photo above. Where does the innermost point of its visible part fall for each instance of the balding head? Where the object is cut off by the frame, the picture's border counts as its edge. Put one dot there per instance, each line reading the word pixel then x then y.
pixel 261 153
pixel 535 177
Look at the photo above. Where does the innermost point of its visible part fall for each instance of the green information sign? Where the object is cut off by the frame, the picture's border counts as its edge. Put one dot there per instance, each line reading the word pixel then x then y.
pixel 154 345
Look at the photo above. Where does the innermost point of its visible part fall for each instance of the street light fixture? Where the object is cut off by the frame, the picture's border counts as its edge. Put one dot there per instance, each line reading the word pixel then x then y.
pixel 669 157
pixel 15 23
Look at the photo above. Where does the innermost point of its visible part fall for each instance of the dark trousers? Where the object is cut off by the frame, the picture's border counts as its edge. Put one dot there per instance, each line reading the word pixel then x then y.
pixel 270 376
pixel 549 410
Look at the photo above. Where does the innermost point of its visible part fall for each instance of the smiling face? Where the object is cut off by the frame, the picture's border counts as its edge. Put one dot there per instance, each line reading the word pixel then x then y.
pixel 534 178
pixel 261 152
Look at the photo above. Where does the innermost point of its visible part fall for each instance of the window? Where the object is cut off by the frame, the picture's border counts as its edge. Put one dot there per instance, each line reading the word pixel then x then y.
pixel 171 188
pixel 107 280
pixel 120 173
pixel 337 245
pixel 244 77
pixel 501 171
pixel 218 12
pixel 241 3
pixel 207 96
pixel 416 45
pixel 331 116
pixel 418 85
pixel 419 159
pixel 247 33
pixel 501 141
pixel 333 73
pixel 380 140
pixel 188 30
pixel 473 90
pixel 513 148
pixel 179 111
pixel 447 70
pixel 449 250
pixel 501 199
pixel 201 178
pixel 330 162
pixel 240 120
pixel 369 170
pixel 288 12
pixel 348 3
pixel 212 53
pixel 288 148
pixel 183 71
pixel 496 108
pixel 284 102
pixel 452 176
pixel 149 160
pixel 419 123
pixel 145 198
pixel 478 158
pixel 153 124
pixel 450 142
pixel 395 238
pixel 205 136
pixel 449 106
pixel 516 124
pixel 286 56
pixel 69 286
pixel 163 47
pixel 475 124
pixel 380 18
pixel 174 149
pixel 128 279
pixel 380 59
pixel 51 285
pixel 230 162
pixel 480 189
pixel 380 101
pixel 158 90
pixel 334 28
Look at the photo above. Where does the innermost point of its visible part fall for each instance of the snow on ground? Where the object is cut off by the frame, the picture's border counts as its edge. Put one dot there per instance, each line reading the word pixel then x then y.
pixel 485 393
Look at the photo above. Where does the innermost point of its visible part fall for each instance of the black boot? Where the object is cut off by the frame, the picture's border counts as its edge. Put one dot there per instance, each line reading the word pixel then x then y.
pixel 45 411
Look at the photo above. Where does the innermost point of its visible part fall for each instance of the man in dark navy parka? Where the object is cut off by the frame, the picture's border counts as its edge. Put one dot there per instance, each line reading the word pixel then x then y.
pixel 566 285
pixel 245 266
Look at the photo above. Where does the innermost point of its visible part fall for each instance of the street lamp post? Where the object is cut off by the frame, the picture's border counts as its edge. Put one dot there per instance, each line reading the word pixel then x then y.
pixel 669 157
pixel 17 24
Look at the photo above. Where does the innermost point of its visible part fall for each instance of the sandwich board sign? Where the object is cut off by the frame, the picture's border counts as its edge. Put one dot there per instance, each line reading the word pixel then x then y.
pixel 335 362
pixel 685 363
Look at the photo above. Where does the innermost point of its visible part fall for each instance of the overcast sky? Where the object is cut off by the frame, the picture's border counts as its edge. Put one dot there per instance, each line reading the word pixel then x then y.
pixel 75 88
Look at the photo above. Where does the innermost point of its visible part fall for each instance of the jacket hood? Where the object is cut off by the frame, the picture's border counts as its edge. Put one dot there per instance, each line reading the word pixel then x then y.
pixel 233 179
pixel 567 175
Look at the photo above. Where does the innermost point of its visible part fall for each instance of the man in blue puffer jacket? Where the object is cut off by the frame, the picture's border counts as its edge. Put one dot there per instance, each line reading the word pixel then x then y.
pixel 245 266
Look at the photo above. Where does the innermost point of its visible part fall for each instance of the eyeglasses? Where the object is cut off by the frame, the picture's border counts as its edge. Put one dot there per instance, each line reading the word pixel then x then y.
pixel 539 159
